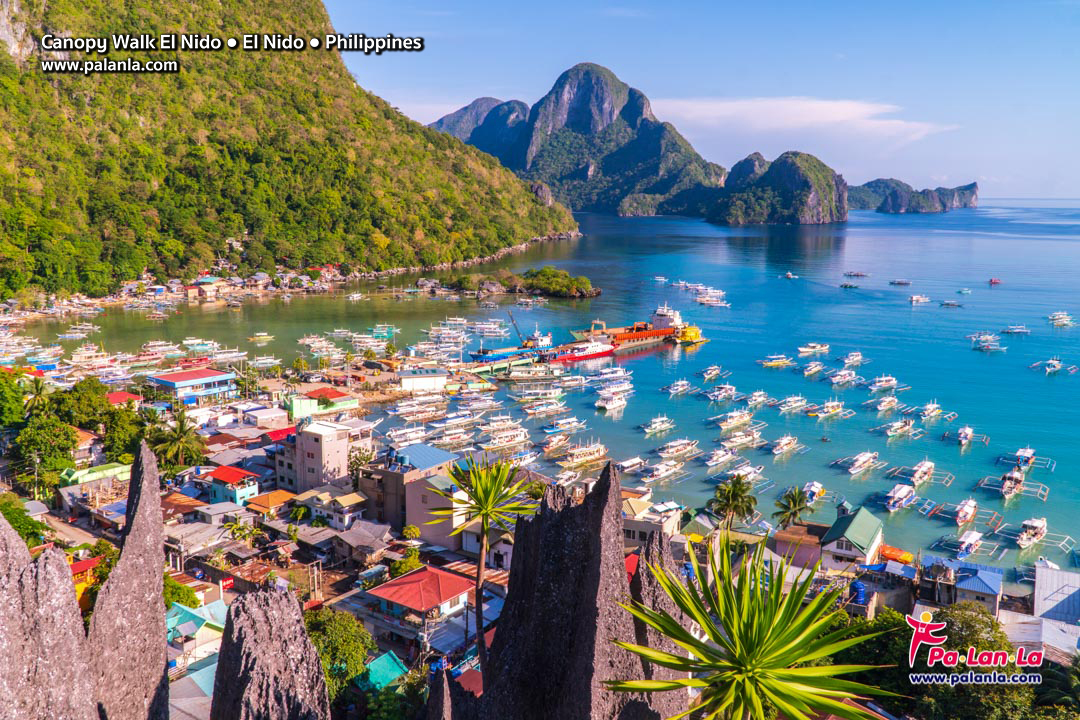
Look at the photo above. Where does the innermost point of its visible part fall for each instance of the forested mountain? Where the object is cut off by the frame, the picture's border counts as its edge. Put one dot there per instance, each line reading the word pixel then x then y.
pixel 889 195
pixel 107 174
pixel 794 189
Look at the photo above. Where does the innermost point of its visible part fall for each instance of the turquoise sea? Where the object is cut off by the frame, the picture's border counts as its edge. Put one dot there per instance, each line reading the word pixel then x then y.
pixel 1033 246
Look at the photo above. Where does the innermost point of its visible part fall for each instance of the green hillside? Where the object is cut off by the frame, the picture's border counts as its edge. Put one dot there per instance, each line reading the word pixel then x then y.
pixel 101 176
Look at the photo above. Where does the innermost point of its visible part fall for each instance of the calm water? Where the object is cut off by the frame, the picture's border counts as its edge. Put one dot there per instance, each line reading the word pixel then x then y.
pixel 1033 246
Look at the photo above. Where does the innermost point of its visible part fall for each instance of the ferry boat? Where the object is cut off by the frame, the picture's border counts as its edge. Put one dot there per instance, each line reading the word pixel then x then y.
pixel 735 418
pixel 720 393
pixel 678 387
pixel 1016 330
pixel 900 427
pixel 616 386
pixel 90 356
pixel 777 361
pixel 720 456
pixel 922 472
pixel 844 377
pixel 813 491
pixel 918 299
pixel 1032 531
pixel 555 442
pixel 784 444
pixel 567 476
pixel 675 448
pixel 564 424
pixel 813 368
pixel 862 462
pixel 585 454
pixel 966 511
pixel 793 403
pixel 582 351
pixel 830 408
pixel 455 419
pixel 663 326
pixel 969 544
pixel 930 410
pixel 965 435
pixel 453 438
pixel 503 439
pixel 261 337
pixel 814 348
pixel 610 373
pixel 611 401
pixel 887 403
pixel 545 407
pixel 1012 483
pixel 499 422
pixel 631 464
pixel 533 393
pixel 534 343
pixel 481 404
pixel 853 358
pixel 660 423
pixel 758 397
pixel 406 435
pixel 260 362
pixel 662 470
pixel 883 382
pixel 741 439
pixel 900 497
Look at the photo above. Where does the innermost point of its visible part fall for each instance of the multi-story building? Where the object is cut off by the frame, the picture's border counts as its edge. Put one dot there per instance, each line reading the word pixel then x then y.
pixel 317 453
pixel 853 540
pixel 231 484
pixel 201 386
pixel 421 498
pixel 337 506
pixel 384 480
pixel 642 516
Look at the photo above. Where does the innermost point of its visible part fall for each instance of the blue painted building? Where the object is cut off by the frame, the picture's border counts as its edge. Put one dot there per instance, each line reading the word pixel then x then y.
pixel 201 386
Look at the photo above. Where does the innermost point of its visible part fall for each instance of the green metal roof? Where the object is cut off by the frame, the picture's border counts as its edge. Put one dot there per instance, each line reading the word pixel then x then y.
pixel 382 671
pixel 858 528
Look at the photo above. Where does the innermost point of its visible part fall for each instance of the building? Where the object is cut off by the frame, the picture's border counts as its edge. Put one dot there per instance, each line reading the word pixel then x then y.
pixel 89 448
pixel 363 544
pixel 422 380
pixel 272 418
pixel 320 401
pixel 500 545
pixel 383 671
pixel 179 508
pixel 123 398
pixel 220 513
pixel 641 517
pixel 853 540
pixel 421 499
pixel 337 506
pixel 71 476
pixel 945 581
pixel 409 608
pixel 318 453
pixel 800 543
pixel 271 505
pixel 384 480
pixel 201 386
pixel 82 574
pixel 231 484
pixel 1057 594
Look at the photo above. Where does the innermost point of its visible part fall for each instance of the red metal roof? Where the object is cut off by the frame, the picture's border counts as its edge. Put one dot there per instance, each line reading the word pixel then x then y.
pixel 275 436
pixel 230 475
pixel 120 397
pixel 81 566
pixel 422 589
pixel 186 375
pixel 326 392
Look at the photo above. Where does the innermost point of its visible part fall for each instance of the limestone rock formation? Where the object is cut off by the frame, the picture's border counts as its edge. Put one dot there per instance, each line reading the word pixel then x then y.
pixel 553 648
pixel 127 630
pixel 889 195
pixel 268 669
pixel 543 193
pixel 795 189
pixel 463 121
pixel 746 171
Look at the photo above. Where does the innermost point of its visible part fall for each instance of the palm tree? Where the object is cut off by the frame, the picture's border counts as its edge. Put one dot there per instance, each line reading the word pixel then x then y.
pixel 370 355
pixel 300 364
pixel 37 396
pixel 180 443
pixel 791 506
pixel 242 531
pixel 299 512
pixel 494 496
pixel 757 644
pixel 733 500
pixel 1061 686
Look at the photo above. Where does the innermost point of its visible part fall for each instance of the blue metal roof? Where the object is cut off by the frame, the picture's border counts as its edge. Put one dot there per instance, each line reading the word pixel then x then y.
pixel 979 581
pixel 424 457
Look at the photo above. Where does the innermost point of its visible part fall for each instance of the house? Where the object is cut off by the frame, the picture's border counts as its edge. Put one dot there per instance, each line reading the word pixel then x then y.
pixel 363 544
pixel 196 632
pixel 500 544
pixel 854 539
pixel 219 513
pixel 800 543
pixel 82 574
pixel 320 401
pixel 421 499
pixel 231 484
pixel 1057 594
pixel 409 608
pixel 123 398
pixel 89 448
pixel 337 506
pixel 422 380
pixel 178 508
pixel 945 581
pixel 384 479
pixel 200 386
pixel 274 504
pixel 1057 641
pixel 642 517
pixel 381 672
pixel 272 418
pixel 318 453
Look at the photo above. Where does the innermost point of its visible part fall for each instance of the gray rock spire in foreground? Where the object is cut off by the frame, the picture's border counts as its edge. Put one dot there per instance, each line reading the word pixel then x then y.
pixel 268 669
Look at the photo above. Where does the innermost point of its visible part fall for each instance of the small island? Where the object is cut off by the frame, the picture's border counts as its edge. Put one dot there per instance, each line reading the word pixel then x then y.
pixel 548 281
pixel 889 195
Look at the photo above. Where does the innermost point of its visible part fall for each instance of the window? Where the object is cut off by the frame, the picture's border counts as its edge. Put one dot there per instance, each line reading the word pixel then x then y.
pixel 311 456
pixel 628 534
pixel 980 598
pixel 642 535
pixel 311 470
pixel 290 466
pixel 423 499
pixel 315 439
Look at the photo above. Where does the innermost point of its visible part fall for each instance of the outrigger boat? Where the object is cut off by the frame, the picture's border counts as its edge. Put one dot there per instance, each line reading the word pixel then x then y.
pixel 843 377
pixel 793 403
pixel 813 368
pixel 863 461
pixel 678 387
pixel 900 497
pixel 883 382
pixel 261 337
pixel 813 491
pixel 545 407
pixel 735 418
pixel 676 448
pixel 923 471
pixel 930 410
pixel 562 425
pixel 631 465
pixel 663 470
pixel 814 348
pixel 503 439
pixel 784 444
pixel 966 511
pixel 720 456
pixel 887 403
pixel 900 281
pixel 1016 330
pixel 711 372
pixel 741 439
pixel 586 454
pixel 969 544
pixel 720 393
pixel 777 361
pixel 853 358
pixel 965 435
pixel 900 427
pixel 830 408
pixel 1032 531
pixel 1012 483
pixel 611 401
pixel 555 442
pixel 660 423
pixel 758 397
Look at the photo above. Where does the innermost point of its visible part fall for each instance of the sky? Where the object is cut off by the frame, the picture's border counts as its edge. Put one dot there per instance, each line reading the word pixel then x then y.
pixel 933 93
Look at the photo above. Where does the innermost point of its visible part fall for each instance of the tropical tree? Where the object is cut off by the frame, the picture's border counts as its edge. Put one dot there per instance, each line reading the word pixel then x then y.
pixel 1061 686
pixel 323 363
pixel 791 506
pixel 493 495
pixel 370 355
pixel 410 532
pixel 349 357
pixel 390 349
pixel 733 500
pixel 343 645
pixel 299 512
pixel 757 645
pixel 300 364
pixel 37 396
pixel 179 444
pixel 243 532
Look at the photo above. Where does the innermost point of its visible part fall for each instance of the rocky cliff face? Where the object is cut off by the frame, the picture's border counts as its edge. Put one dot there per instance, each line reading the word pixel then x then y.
pixel 889 195
pixel 13 31
pixel 463 121
pixel 596 142
pixel 746 171
pixel 796 188
pixel 268 669
pixel 553 648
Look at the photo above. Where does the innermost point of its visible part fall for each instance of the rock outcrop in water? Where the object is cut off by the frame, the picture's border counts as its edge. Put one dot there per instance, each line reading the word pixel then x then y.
pixel 267 668
pixel 795 189
pixel 553 649
pixel 889 195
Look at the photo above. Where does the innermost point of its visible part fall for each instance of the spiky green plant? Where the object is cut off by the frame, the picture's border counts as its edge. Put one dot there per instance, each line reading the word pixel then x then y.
pixel 492 494
pixel 757 645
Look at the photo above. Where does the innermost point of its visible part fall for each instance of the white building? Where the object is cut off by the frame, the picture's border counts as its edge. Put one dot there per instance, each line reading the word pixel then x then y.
pixel 422 380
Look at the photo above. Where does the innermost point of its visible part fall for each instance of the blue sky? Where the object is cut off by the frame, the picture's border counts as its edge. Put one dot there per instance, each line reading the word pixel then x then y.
pixel 934 93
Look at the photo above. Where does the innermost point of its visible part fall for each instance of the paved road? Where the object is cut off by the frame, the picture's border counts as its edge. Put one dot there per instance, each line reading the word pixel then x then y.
pixel 70 533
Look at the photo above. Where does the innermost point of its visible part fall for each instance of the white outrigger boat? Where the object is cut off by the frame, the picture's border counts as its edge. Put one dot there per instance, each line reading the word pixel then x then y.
pixel 793 403
pixel 814 348
pixel 930 410
pixel 555 442
pixel 585 454
pixel 922 472
pixel 813 368
pixel 970 542
pixel 677 448
pixel 633 464
pixel 965 435
pixel 887 403
pixel 662 470
pixel 712 372
pixel 721 393
pixel 813 491
pixel 611 401
pixel 883 382
pixel 741 439
pixel 784 444
pixel 853 358
pixel 660 423
pixel 735 418
pixel 777 361
pixel 830 408
pixel 844 377
pixel 966 511
pixel 905 426
pixel 1032 531
pixel 1012 483
pixel 862 462
pixel 720 456
pixel 506 439
pixel 900 497
pixel 758 397
pixel 678 387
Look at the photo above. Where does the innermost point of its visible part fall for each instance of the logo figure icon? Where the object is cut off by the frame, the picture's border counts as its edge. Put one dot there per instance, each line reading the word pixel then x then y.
pixel 923 634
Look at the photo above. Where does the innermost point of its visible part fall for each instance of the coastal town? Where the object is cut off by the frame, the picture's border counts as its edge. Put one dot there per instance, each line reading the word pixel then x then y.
pixel 334 481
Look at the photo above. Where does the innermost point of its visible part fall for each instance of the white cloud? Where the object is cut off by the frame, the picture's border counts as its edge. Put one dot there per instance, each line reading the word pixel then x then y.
pixel 782 114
